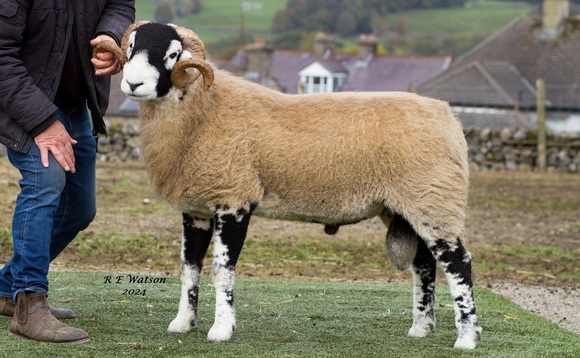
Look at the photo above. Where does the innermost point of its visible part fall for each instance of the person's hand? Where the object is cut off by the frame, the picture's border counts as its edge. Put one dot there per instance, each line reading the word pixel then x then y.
pixel 106 63
pixel 55 139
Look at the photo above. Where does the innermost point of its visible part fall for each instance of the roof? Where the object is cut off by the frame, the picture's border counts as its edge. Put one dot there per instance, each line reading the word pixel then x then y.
pixel 485 83
pixel 392 73
pixel 480 118
pixel 333 67
pixel 502 70
pixel 286 65
pixel 377 73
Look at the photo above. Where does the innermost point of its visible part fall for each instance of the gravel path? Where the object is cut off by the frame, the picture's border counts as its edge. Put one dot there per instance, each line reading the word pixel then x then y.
pixel 559 305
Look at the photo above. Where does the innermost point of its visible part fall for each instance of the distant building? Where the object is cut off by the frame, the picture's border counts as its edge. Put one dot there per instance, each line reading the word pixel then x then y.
pixel 323 70
pixel 501 73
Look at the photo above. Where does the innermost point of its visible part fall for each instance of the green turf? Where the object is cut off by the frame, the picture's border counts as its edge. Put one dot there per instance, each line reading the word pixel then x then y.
pixel 283 319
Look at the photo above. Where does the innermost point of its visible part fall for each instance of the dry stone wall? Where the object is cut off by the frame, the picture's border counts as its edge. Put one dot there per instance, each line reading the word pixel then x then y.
pixel 516 150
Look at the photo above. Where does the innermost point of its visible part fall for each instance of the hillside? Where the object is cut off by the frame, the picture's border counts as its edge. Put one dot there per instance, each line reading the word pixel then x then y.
pixel 421 32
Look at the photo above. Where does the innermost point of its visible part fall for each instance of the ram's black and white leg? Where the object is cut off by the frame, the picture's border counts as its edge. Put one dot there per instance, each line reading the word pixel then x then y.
pixel 456 262
pixel 230 233
pixel 423 269
pixel 196 238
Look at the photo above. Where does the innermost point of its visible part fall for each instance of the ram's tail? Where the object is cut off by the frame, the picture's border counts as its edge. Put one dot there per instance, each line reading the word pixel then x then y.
pixel 401 243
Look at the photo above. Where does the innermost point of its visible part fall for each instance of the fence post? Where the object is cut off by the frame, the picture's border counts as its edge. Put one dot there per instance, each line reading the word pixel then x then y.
pixel 541 110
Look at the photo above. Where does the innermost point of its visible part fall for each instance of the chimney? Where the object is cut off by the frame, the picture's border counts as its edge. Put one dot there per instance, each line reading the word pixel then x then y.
pixel 324 45
pixel 259 60
pixel 553 12
pixel 367 45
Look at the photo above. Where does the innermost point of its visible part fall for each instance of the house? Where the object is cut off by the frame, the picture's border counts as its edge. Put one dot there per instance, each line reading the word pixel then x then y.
pixel 500 73
pixel 324 70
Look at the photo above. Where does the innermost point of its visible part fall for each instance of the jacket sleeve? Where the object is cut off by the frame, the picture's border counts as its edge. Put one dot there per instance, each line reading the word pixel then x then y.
pixel 20 97
pixel 116 17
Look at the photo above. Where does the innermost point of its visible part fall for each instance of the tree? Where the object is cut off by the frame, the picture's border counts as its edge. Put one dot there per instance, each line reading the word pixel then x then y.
pixel 401 25
pixel 195 6
pixel 377 24
pixel 345 23
pixel 163 12
pixel 283 21
pixel 339 15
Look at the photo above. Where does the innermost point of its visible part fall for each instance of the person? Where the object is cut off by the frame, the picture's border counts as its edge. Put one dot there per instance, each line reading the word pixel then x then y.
pixel 48 86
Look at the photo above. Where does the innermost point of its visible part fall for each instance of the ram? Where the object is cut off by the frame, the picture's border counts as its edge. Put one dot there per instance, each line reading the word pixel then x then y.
pixel 221 149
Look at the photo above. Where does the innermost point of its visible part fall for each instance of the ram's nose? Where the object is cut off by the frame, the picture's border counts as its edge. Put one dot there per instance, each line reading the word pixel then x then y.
pixel 134 86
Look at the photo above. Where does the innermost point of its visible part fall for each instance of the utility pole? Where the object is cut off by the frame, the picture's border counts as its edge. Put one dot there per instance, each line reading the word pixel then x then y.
pixel 541 109
pixel 245 7
pixel 242 29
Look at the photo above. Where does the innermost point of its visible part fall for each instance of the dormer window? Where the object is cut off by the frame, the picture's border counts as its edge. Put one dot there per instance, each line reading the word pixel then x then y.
pixel 317 84
pixel 318 78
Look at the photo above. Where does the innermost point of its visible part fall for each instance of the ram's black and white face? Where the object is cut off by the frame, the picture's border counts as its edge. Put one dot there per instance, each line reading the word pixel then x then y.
pixel 152 51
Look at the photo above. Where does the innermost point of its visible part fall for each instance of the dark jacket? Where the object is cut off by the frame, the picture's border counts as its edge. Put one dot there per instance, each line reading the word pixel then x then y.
pixel 33 44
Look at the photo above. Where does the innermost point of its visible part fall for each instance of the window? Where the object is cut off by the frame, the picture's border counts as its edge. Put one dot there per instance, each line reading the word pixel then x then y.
pixel 316 78
pixel 318 84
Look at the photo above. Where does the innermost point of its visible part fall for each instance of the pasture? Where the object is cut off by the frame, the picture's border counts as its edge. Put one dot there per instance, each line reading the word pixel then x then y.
pixel 301 292
pixel 221 19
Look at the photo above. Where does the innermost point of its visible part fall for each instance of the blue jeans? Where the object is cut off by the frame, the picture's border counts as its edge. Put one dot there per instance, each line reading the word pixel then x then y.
pixel 52 206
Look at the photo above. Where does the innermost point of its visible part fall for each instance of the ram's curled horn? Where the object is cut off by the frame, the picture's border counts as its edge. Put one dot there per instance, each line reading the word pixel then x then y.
pixel 130 29
pixel 109 46
pixel 180 78
pixel 193 44
pixel 119 52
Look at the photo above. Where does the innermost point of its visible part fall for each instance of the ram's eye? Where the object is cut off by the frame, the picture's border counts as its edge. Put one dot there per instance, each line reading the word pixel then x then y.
pixel 173 55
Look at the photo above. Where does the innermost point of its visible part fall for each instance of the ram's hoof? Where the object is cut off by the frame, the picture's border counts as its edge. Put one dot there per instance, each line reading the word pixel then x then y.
pixel 468 340
pixel 180 325
pixel 465 343
pixel 421 328
pixel 222 333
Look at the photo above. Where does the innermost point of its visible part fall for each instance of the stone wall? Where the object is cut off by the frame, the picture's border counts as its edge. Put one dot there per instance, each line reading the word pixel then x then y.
pixel 122 142
pixel 507 149
pixel 489 149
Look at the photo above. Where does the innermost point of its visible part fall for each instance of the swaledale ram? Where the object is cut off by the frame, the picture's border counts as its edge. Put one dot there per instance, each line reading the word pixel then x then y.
pixel 221 149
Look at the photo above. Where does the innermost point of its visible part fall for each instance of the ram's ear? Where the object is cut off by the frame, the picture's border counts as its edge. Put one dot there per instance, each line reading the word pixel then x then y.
pixel 181 78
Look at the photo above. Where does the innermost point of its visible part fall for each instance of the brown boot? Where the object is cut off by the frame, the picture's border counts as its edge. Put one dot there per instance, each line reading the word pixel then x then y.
pixel 32 320
pixel 6 307
pixel 7 310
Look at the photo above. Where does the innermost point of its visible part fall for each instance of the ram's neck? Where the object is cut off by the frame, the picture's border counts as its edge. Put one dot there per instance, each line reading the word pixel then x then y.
pixel 163 128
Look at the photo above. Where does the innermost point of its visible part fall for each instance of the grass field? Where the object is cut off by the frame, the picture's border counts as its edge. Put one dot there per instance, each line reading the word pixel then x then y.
pixel 278 318
pixel 464 22
pixel 220 19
